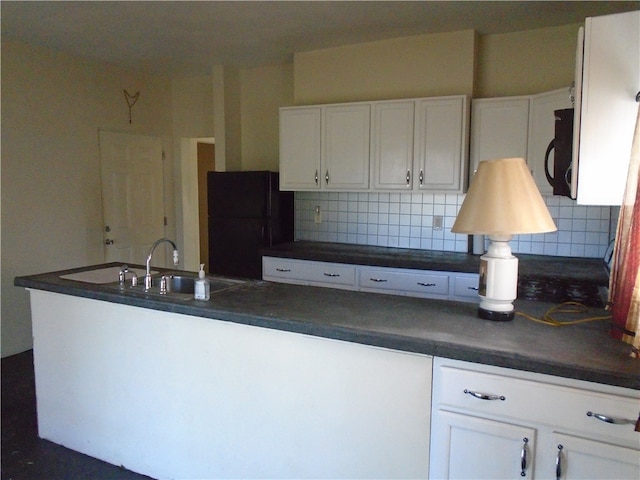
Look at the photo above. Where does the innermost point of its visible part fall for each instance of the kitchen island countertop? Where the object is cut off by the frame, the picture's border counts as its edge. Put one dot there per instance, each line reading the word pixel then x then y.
pixel 439 328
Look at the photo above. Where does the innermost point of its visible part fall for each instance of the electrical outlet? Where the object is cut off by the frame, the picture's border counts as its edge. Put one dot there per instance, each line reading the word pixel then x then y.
pixel 318 215
pixel 437 222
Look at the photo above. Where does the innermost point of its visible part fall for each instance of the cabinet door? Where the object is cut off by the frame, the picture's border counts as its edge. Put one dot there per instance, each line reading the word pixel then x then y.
pixel 542 132
pixel 441 146
pixel 300 148
pixel 465 446
pixel 465 287
pixel 345 147
pixel 309 272
pixel 611 76
pixel 405 282
pixel 579 458
pixel 499 129
pixel 392 145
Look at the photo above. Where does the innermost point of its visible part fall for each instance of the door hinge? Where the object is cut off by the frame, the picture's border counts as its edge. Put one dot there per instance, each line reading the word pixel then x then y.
pixel 165 221
pixel 163 156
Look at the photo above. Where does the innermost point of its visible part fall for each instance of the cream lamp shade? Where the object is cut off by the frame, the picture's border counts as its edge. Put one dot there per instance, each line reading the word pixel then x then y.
pixel 502 200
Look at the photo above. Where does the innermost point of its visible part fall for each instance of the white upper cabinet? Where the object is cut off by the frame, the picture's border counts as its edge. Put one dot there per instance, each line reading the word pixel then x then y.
pixel 411 145
pixel 542 132
pixel 499 129
pixel 300 148
pixel 610 82
pixel 345 146
pixel 392 145
pixel 325 147
pixel 519 126
pixel 441 133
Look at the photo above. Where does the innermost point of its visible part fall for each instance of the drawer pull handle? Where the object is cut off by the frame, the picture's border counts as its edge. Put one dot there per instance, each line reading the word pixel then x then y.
pixel 425 284
pixel 484 396
pixel 408 177
pixel 283 270
pixel 523 457
pixel 378 280
pixel 611 420
pixel 559 463
pixel 331 274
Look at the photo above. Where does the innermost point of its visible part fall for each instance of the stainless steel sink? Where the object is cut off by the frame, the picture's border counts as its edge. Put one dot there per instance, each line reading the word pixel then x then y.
pixel 180 286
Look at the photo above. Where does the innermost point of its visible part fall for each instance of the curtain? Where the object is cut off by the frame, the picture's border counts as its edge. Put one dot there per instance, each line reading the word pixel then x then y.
pixel 624 283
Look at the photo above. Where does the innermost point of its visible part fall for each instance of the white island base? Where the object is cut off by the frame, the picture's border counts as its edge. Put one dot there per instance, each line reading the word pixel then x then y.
pixel 178 396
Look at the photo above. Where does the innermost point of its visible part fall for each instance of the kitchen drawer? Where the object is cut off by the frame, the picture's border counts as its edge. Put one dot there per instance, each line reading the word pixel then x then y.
pixel 411 282
pixel 308 272
pixel 562 407
pixel 465 286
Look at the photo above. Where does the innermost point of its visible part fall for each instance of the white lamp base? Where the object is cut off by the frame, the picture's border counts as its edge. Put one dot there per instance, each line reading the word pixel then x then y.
pixel 498 280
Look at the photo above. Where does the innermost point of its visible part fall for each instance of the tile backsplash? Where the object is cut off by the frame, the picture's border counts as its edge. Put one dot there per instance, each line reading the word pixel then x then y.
pixel 406 220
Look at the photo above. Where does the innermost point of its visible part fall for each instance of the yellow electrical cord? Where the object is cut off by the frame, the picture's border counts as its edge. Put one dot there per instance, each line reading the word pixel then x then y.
pixel 566 307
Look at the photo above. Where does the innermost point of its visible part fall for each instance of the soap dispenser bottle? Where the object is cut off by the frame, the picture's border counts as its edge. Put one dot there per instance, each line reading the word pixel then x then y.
pixel 202 288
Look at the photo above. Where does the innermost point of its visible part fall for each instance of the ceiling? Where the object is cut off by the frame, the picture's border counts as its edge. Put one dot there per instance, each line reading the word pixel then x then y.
pixel 189 37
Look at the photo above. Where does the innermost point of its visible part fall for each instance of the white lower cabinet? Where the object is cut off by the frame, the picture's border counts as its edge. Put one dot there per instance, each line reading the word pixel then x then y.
pixel 465 286
pixel 404 282
pixel 461 287
pixel 491 422
pixel 307 272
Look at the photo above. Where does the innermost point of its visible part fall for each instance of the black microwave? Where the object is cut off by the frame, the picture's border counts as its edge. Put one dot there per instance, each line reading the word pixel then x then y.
pixel 562 148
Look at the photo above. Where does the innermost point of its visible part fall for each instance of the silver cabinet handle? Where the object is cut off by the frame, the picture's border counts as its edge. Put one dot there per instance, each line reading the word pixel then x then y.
pixel 408 177
pixel 316 177
pixel 424 284
pixel 559 463
pixel 611 420
pixel 378 280
pixel 484 396
pixel 523 457
pixel 421 177
pixel 326 177
pixel 283 270
pixel 331 274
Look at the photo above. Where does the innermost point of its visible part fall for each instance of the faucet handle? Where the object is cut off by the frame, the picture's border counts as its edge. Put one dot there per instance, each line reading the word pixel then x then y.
pixel 121 274
pixel 163 285
pixel 176 257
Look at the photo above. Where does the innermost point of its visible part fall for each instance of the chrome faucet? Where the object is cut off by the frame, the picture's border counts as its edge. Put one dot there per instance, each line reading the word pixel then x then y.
pixel 176 260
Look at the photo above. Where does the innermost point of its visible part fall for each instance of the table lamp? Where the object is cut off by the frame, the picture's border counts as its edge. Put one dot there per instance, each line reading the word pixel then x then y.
pixel 502 200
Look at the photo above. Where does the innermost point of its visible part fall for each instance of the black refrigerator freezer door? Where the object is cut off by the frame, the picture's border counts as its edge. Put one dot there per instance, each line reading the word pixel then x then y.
pixel 235 245
pixel 240 194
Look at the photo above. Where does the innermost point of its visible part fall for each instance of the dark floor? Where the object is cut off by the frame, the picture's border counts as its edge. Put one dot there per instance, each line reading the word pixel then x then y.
pixel 27 457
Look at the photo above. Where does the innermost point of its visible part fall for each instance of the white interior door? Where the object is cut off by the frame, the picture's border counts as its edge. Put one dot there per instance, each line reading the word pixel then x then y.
pixel 132 196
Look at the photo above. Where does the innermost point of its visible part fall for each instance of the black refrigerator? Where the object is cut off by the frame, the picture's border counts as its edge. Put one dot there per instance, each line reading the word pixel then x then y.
pixel 247 212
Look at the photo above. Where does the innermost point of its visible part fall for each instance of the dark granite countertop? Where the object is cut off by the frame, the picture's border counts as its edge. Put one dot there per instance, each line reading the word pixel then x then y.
pixel 446 329
pixel 585 269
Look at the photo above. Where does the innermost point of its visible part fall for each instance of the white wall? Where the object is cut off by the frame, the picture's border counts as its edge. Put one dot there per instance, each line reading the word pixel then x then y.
pixel 52 108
